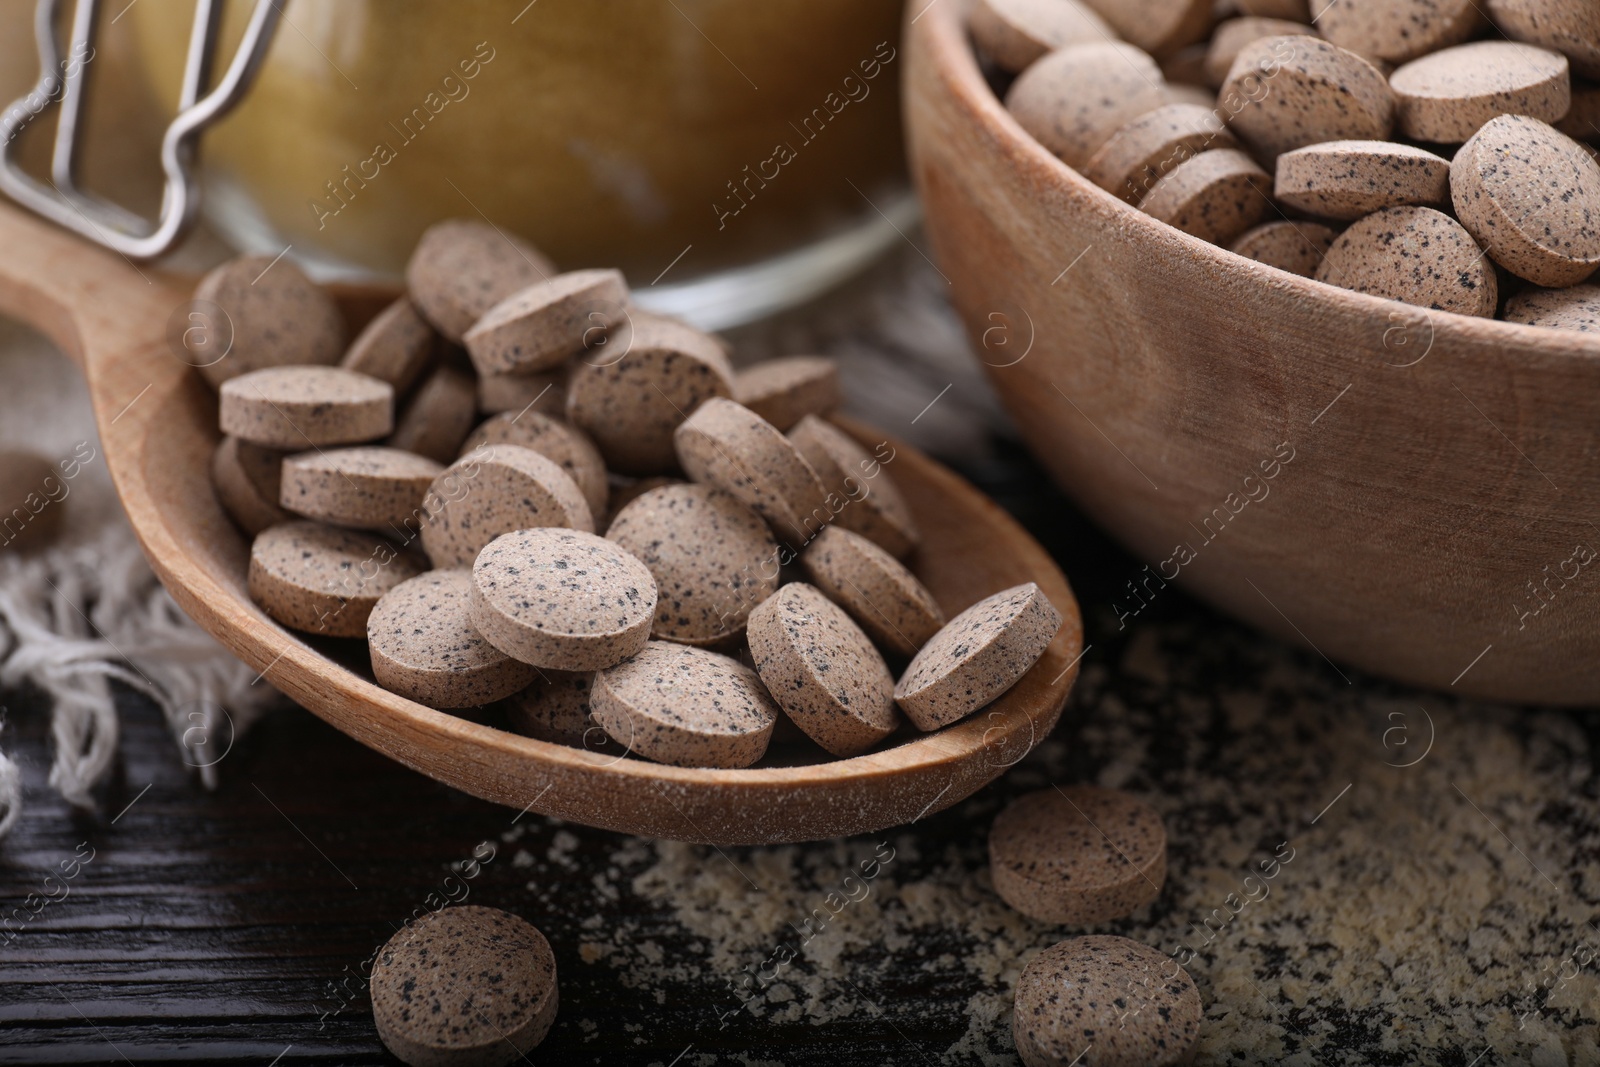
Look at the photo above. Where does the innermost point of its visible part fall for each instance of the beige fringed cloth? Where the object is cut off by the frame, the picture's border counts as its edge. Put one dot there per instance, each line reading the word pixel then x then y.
pixel 83 607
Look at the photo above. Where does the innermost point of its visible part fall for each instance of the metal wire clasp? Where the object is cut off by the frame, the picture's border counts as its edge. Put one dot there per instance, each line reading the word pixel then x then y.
pixel 59 199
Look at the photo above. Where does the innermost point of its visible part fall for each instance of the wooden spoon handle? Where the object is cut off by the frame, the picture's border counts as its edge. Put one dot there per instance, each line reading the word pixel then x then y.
pixel 88 300
pixel 110 317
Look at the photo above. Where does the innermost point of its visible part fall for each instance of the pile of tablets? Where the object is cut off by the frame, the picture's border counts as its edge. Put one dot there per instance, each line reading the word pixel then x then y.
pixel 1436 152
pixel 469 555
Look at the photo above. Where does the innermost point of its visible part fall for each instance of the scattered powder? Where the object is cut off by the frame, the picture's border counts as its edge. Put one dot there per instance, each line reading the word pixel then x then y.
pixel 562 847
pixel 1399 926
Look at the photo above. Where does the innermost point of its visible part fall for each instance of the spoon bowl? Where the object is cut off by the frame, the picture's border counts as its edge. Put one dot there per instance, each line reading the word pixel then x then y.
pixel 158 425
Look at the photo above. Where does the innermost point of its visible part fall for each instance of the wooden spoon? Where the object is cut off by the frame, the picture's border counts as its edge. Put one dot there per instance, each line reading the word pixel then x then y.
pixel 157 423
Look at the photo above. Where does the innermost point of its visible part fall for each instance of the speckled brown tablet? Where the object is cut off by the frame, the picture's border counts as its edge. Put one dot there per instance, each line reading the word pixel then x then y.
pixel 462 267
pixel 323 579
pixel 246 479
pixel 686 706
pixel 1348 179
pixel 565 444
pixel 1105 1001
pixel 784 391
pixel 1157 26
pixel 628 490
pixel 31 488
pixel 438 418
pixel 1297 247
pixel 822 670
pixel 1216 196
pixel 713 559
pixel 729 446
pixel 1577 308
pixel 785 733
pixel 1189 94
pixel 493 490
pixel 562 598
pixel 875 588
pixel 1571 27
pixel 1447 96
pixel 424 646
pixel 1186 67
pixel 1582 121
pixel 1073 99
pixel 1231 36
pixel 1416 255
pixel 1292 10
pixel 543 325
pixel 1078 854
pixel 861 493
pixel 1397 30
pixel 1014 33
pixel 396 347
pixel 366 487
pixel 305 407
pixel 545 393
pixel 464 986
pixel 1287 92
pixel 1530 195
pixel 977 656
pixel 633 393
pixel 555 708
pixel 1140 153
pixel 272 316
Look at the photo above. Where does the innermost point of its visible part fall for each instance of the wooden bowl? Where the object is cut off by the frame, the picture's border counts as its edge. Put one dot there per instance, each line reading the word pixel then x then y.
pixel 157 422
pixel 1444 486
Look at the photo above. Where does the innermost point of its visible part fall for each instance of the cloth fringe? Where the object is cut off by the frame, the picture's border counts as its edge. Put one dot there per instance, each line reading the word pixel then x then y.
pixel 73 618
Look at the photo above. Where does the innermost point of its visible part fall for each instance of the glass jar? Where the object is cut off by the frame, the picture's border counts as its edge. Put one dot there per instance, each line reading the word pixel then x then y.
pixel 676 137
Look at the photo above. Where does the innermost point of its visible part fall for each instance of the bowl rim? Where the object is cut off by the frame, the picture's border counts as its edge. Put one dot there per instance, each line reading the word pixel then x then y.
pixel 955 58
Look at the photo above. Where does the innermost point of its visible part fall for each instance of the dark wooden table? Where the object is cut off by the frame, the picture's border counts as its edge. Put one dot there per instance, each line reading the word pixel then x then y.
pixel 231 927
